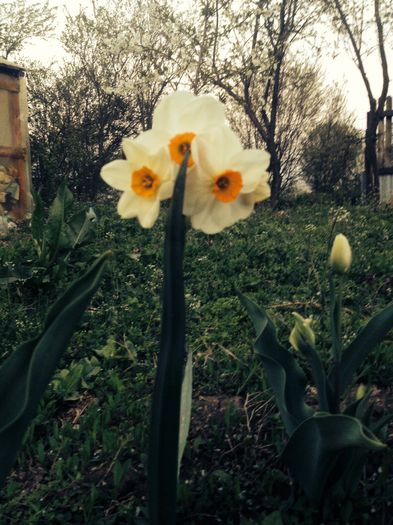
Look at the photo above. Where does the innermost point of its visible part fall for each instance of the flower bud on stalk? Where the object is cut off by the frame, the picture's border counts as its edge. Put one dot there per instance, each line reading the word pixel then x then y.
pixel 341 254
pixel 302 333
pixel 360 392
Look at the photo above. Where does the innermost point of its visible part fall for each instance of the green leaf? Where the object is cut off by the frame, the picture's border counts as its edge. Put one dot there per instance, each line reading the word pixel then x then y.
pixel 55 224
pixel 165 421
pixel 273 519
pixel 38 222
pixel 369 337
pixel 26 373
pixel 185 407
pixel 285 376
pixel 318 373
pixel 76 230
pixel 313 451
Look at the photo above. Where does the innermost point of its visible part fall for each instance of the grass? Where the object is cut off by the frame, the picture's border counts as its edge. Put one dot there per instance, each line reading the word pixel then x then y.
pixel 84 457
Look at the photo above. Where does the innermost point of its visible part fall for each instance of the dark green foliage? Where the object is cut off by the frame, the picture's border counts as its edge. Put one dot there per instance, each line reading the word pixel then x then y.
pixel 84 459
pixel 25 374
pixel 330 157
pixel 165 424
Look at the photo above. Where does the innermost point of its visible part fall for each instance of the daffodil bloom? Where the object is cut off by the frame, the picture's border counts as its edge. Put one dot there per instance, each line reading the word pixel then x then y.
pixel 178 119
pixel 227 180
pixel 341 254
pixel 145 178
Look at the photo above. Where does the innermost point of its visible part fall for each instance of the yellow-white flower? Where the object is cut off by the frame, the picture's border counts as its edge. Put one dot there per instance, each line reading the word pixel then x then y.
pixel 227 180
pixel 178 119
pixel 145 178
pixel 302 333
pixel 341 254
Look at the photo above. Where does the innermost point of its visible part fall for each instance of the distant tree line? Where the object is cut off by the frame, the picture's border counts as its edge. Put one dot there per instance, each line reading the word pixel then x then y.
pixel 260 57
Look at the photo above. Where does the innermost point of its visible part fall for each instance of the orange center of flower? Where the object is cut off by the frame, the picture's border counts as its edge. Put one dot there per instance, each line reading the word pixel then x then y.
pixel 227 186
pixel 145 182
pixel 179 145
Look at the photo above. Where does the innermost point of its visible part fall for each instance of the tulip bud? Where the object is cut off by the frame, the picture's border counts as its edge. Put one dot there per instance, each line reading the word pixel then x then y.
pixel 302 333
pixel 341 254
pixel 360 392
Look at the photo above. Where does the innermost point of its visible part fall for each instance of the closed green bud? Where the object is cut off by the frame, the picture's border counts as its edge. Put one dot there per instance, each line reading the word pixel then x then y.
pixel 302 332
pixel 341 254
pixel 360 392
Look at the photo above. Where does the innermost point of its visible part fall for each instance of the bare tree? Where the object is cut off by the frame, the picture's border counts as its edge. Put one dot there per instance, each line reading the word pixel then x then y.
pixel 354 19
pixel 244 51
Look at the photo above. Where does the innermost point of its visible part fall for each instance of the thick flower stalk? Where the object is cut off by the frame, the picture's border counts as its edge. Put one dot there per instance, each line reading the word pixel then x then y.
pixel 191 156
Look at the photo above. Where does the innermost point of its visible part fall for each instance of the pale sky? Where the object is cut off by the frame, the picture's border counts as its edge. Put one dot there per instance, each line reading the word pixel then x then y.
pixel 340 69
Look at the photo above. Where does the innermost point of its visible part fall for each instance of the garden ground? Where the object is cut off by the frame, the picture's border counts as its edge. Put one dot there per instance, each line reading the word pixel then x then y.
pixel 84 456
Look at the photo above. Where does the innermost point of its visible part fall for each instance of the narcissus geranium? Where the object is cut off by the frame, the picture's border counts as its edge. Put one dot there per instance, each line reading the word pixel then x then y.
pixel 227 180
pixel 178 119
pixel 145 178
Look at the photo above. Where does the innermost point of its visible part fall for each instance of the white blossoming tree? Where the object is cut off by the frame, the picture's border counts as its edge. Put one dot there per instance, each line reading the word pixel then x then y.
pixel 22 21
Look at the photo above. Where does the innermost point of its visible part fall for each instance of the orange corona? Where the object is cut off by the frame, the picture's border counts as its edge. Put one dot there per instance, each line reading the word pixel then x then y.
pixel 227 186
pixel 145 182
pixel 179 145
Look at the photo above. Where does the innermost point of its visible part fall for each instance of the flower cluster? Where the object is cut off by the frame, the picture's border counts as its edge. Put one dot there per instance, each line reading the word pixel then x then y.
pixel 223 180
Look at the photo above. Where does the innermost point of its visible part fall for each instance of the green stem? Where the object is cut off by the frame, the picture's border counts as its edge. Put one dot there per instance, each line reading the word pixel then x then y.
pixel 165 418
pixel 335 320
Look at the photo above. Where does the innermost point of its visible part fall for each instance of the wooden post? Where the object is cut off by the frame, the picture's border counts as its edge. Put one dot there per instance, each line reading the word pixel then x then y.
pixel 15 183
pixel 380 144
pixel 388 133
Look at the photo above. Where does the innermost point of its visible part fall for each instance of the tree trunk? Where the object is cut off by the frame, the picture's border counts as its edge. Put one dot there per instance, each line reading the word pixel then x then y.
pixel 370 153
pixel 275 170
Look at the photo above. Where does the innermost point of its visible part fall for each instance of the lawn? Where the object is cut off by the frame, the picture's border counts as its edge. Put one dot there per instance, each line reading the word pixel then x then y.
pixel 84 457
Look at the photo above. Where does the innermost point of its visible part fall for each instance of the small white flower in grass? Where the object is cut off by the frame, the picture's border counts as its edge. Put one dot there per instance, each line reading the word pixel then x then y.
pixel 227 180
pixel 145 178
pixel 178 119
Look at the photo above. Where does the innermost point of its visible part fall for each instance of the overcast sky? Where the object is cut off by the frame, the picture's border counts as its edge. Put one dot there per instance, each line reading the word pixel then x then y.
pixel 340 69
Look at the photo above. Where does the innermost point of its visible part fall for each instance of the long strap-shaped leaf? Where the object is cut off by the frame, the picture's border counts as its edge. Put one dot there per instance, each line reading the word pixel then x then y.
pixel 26 373
pixel 368 338
pixel 313 449
pixel 164 430
pixel 285 376
pixel 318 373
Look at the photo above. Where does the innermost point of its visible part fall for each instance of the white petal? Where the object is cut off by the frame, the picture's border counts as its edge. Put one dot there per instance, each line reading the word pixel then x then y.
pixel 148 216
pixel 154 139
pixel 201 114
pixel 146 209
pixel 252 164
pixel 166 190
pixel 214 149
pixel 160 162
pixel 118 174
pixel 134 152
pixel 165 116
pixel 127 207
pixel 198 191
pixel 261 192
pixel 218 215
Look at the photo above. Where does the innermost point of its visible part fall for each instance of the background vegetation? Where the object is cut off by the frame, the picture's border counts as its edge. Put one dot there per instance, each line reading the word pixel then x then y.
pixel 85 455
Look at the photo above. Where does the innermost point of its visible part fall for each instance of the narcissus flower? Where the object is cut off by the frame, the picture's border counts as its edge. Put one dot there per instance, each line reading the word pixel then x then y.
pixel 145 178
pixel 302 333
pixel 178 119
pixel 226 182
pixel 341 254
